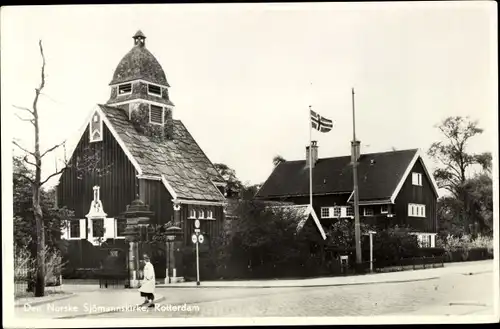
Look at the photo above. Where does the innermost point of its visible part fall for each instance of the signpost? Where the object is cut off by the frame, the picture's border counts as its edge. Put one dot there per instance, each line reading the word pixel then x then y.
pixel 197 238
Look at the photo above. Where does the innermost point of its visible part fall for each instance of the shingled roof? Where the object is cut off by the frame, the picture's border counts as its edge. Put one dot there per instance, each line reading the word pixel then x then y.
pixel 378 176
pixel 180 160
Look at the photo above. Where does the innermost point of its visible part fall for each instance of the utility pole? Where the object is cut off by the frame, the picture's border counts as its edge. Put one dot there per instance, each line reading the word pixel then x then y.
pixel 354 158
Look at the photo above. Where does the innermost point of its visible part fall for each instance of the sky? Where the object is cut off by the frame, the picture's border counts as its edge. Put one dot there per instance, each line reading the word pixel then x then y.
pixel 243 76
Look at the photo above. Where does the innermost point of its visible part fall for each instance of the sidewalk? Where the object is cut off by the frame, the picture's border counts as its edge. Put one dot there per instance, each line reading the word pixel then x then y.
pixel 404 276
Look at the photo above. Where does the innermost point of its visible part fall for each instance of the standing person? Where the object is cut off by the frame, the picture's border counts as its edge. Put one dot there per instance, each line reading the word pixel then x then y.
pixel 147 288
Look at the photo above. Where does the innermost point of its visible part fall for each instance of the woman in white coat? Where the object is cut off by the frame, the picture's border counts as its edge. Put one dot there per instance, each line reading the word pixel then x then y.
pixel 147 288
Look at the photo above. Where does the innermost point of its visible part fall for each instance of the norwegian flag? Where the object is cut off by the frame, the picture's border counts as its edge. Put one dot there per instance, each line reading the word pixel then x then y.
pixel 321 123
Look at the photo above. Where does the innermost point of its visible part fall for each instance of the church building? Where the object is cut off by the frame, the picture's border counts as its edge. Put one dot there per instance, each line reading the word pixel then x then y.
pixel 137 150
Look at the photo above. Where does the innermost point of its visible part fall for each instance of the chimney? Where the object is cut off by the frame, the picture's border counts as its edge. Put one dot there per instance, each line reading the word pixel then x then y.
pixel 355 151
pixel 314 155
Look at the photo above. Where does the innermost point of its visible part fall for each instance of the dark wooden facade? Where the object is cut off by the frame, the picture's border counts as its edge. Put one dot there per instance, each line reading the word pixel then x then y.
pixel 116 177
pixel 421 195
pixel 409 193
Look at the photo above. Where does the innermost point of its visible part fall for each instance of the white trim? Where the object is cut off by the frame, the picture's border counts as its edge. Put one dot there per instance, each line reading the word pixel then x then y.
pixel 407 172
pixel 420 236
pixel 162 115
pixel 121 84
pixel 201 214
pixel 116 229
pixel 210 214
pixel 431 177
pixel 376 202
pixel 191 212
pixel 219 183
pixel 321 212
pixel 138 80
pixel 199 202
pixel 417 207
pixel 405 176
pixel 101 133
pixel 416 178
pixel 218 188
pixel 364 212
pixel 156 85
pixel 120 142
pixel 149 177
pixel 310 211
pixel 384 212
pixel 350 196
pixel 144 101
pixel 79 230
pixel 169 188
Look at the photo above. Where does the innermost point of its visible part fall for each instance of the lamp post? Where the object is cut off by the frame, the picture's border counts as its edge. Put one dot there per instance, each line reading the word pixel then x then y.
pixel 371 233
pixel 197 238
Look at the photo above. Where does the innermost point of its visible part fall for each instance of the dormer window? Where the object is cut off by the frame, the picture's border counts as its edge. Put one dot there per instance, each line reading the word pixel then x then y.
pixel 154 90
pixel 156 114
pixel 125 89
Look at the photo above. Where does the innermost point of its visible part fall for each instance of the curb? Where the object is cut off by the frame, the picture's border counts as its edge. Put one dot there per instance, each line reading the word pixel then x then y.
pixel 301 286
pixel 66 296
pixel 114 309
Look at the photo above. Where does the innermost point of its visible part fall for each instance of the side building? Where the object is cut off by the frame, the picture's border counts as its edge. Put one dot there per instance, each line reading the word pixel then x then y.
pixel 395 188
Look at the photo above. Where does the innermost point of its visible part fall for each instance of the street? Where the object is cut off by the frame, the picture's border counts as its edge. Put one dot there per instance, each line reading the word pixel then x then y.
pixel 467 294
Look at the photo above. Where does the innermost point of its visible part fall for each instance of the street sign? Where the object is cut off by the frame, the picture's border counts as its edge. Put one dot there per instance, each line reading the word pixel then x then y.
pixel 197 223
pixel 200 238
pixel 194 238
pixel 197 230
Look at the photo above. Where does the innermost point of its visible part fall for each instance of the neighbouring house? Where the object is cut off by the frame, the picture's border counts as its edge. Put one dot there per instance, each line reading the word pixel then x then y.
pixel 395 188
pixel 144 154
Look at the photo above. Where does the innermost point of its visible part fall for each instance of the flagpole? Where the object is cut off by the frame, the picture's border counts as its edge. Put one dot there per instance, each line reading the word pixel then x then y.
pixel 310 159
pixel 354 155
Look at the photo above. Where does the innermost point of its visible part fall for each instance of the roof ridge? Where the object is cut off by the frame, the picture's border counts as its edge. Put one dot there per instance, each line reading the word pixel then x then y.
pixel 372 153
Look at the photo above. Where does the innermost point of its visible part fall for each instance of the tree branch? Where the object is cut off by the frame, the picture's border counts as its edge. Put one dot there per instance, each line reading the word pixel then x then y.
pixel 52 175
pixel 22 148
pixel 52 149
pixel 24 109
pixel 31 163
pixel 26 177
pixel 24 119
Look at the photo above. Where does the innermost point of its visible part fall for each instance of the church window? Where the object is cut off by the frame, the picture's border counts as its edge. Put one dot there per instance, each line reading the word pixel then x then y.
pixel 95 128
pixel 156 114
pixel 210 214
pixel 98 228
pixel 201 214
pixel 154 90
pixel 125 89
pixel 74 229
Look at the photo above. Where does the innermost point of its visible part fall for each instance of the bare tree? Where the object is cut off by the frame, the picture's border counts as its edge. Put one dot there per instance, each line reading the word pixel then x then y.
pixel 34 158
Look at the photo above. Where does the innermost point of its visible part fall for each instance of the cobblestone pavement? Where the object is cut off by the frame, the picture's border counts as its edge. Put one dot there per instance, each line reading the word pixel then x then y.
pixel 466 293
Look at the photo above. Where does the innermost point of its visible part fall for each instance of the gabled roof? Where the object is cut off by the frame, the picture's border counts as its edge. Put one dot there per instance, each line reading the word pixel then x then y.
pixel 179 163
pixel 379 176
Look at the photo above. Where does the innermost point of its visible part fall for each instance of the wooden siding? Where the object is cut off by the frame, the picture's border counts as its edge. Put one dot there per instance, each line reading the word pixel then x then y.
pixel 118 188
pixel 420 195
pixel 154 194
pixel 210 228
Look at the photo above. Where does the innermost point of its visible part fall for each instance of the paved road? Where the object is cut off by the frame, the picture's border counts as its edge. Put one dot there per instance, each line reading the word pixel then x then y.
pixel 467 294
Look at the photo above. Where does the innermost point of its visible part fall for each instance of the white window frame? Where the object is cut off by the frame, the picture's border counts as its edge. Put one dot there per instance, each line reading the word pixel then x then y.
pixel 79 230
pixel 346 211
pixel 192 214
pixel 153 94
pixel 421 237
pixel 162 115
pixel 382 209
pixel 91 135
pixel 91 228
pixel 210 214
pixel 201 214
pixel 329 212
pixel 416 210
pixel 339 209
pixel 116 229
pixel 126 93
pixel 416 179
pixel 367 214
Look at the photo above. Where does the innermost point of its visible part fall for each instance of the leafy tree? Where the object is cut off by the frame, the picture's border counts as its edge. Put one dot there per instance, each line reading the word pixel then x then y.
pixel 234 185
pixel 455 163
pixel 277 160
